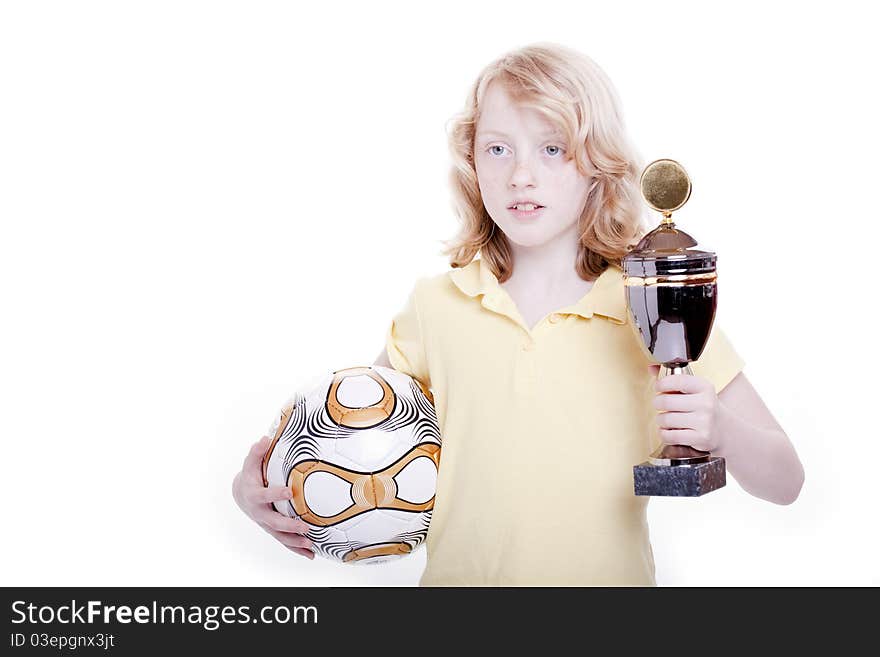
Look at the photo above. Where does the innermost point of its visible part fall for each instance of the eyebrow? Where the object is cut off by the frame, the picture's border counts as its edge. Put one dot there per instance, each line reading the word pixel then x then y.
pixel 548 133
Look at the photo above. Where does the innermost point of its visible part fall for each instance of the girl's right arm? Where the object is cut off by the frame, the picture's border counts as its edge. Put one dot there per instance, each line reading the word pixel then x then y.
pixel 256 501
pixel 383 361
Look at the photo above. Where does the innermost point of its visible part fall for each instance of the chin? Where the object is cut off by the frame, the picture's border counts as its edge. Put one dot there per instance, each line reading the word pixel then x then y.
pixel 527 238
pixel 528 243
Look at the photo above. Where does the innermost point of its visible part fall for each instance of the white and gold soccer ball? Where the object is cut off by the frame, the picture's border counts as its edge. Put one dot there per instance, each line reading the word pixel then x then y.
pixel 360 448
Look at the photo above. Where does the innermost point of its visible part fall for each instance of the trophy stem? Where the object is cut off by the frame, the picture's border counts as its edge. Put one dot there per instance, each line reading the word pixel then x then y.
pixel 674 368
pixel 679 470
pixel 677 454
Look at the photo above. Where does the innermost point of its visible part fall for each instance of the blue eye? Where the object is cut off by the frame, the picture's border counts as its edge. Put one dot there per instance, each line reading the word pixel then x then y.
pixel 558 149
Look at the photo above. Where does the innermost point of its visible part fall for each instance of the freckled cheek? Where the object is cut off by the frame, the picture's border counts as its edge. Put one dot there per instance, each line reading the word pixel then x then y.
pixel 490 180
pixel 570 178
pixel 489 167
pixel 574 187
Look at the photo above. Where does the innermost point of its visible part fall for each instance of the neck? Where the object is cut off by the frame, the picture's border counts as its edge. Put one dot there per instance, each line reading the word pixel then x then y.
pixel 547 267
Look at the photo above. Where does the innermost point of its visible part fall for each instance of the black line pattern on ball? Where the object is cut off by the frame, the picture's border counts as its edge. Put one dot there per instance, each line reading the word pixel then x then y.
pixel 415 538
pixel 408 414
pixel 426 431
pixel 297 420
pixel 321 425
pixel 422 401
pixel 299 445
pixel 320 541
pixel 304 445
pixel 338 549
pixel 316 533
pixel 305 448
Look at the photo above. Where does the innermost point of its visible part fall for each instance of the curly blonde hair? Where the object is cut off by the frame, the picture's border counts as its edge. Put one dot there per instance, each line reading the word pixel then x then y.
pixel 572 91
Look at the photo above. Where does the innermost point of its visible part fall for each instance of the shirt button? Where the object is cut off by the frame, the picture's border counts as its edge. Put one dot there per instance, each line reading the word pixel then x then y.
pixel 527 346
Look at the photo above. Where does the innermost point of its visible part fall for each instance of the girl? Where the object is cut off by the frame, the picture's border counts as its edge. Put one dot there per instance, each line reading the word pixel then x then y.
pixel 544 399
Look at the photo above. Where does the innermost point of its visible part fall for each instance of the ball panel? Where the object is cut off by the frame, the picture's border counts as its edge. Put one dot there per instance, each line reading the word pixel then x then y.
pixel 359 391
pixel 371 449
pixel 417 481
pixel 360 416
pixel 326 494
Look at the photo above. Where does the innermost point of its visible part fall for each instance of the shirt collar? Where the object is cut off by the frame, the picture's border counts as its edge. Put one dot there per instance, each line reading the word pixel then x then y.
pixel 605 299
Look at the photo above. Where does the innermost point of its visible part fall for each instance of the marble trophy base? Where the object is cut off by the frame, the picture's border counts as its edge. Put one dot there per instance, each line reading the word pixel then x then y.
pixel 680 480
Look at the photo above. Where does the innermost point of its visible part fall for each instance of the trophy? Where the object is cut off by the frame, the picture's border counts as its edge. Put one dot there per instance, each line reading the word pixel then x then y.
pixel 671 296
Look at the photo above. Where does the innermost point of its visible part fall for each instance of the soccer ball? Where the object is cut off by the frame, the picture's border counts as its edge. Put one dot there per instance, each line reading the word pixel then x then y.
pixel 360 449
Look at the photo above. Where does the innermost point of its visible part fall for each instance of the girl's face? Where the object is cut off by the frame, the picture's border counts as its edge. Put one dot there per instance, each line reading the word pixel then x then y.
pixel 519 155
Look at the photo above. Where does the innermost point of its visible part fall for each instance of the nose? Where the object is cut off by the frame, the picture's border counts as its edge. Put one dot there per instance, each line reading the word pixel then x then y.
pixel 522 175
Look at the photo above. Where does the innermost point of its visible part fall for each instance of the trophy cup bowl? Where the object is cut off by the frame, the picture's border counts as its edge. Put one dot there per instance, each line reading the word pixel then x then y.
pixel 671 296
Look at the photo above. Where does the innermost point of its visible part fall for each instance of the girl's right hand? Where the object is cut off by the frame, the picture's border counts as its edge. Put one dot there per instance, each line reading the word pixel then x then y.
pixel 256 501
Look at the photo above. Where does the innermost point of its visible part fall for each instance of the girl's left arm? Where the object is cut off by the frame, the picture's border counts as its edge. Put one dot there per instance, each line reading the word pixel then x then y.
pixel 735 424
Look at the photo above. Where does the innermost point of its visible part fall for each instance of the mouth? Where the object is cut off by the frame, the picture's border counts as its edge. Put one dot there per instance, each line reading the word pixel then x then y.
pixel 526 210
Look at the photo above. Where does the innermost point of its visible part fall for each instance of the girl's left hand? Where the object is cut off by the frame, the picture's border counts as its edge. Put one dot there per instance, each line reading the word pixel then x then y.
pixel 691 410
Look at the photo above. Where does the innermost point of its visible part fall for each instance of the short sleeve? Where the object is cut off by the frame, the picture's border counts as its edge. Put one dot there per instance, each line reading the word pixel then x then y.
pixel 404 341
pixel 719 362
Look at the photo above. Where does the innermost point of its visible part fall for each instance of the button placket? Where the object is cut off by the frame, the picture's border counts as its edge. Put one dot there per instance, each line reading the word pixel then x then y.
pixel 526 377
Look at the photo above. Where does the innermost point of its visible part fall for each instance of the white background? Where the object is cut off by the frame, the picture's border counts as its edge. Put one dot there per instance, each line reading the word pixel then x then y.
pixel 204 203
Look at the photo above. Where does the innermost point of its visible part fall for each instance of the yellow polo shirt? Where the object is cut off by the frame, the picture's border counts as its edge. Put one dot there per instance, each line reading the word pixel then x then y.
pixel 540 429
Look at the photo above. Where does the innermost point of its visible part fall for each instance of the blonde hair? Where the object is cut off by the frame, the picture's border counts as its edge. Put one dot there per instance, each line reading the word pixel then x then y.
pixel 575 94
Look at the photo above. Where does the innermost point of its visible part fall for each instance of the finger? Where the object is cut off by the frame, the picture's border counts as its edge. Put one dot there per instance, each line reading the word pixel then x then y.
pixel 290 540
pixel 687 383
pixel 676 420
pixel 235 484
pixel 263 495
pixel 273 520
pixel 253 462
pixel 308 554
pixel 679 437
pixel 669 401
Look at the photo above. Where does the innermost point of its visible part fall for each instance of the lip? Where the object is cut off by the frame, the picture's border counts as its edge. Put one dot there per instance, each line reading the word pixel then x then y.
pixel 523 214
